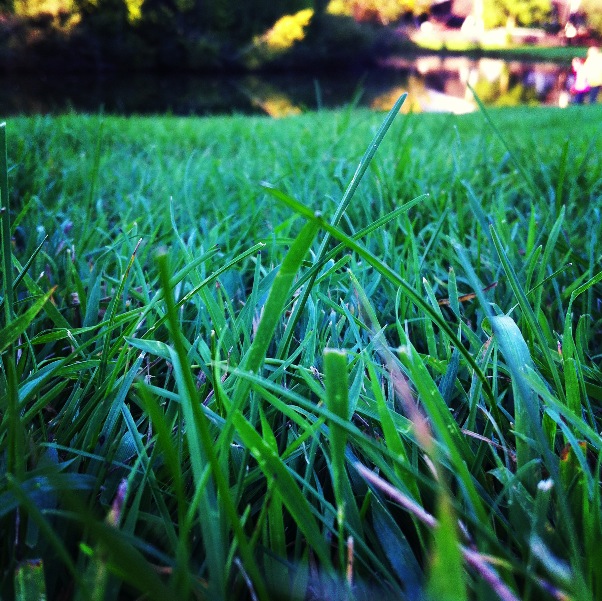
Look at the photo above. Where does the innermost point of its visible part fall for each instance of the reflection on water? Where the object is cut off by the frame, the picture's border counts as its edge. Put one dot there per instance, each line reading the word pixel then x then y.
pixel 433 84
pixel 443 84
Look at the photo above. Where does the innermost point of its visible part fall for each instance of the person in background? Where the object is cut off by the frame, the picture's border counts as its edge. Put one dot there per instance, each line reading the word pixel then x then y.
pixel 580 86
pixel 593 72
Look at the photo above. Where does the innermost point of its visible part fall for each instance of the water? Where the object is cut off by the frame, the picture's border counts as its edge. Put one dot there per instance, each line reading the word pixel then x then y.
pixel 433 84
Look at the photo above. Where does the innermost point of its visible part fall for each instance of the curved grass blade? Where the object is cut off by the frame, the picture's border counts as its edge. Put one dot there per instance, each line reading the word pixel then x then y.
pixel 376 224
pixel 24 268
pixel 526 405
pixel 528 313
pixel 17 326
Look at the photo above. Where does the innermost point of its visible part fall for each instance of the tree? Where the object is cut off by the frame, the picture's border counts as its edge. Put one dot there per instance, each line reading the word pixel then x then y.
pixel 382 11
pixel 592 9
pixel 520 12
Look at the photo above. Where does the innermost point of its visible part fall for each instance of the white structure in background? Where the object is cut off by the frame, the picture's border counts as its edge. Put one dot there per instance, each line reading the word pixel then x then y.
pixel 474 25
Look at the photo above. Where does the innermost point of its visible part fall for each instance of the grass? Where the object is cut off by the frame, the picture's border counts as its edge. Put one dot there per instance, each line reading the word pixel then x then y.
pixel 527 52
pixel 339 355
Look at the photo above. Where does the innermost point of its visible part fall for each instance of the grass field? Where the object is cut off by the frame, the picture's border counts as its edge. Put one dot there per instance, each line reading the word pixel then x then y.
pixel 337 356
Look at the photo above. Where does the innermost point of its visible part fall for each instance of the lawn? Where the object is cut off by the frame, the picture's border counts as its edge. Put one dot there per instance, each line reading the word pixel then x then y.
pixel 343 355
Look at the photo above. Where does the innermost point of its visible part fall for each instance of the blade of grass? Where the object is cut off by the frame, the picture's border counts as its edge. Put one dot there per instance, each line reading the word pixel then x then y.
pixel 446 580
pixel 526 405
pixel 112 311
pixel 17 326
pixel 530 317
pixel 23 270
pixel 16 459
pixel 525 174
pixel 30 583
pixel 392 436
pixel 274 305
pixel 337 401
pixel 7 270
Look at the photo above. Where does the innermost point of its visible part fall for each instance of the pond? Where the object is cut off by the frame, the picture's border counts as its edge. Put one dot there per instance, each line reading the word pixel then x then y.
pixel 433 84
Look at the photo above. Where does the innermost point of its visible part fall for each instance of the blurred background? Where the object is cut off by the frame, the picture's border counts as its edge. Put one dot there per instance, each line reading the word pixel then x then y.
pixel 281 57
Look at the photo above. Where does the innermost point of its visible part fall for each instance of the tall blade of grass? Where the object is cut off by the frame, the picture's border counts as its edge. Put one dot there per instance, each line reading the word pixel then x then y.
pixel 28 263
pixel 337 401
pixel 277 574
pixel 526 405
pixel 340 210
pixel 477 208
pixel 562 170
pixel 202 455
pixel 275 303
pixel 546 258
pixel 23 270
pixel 530 317
pixel 444 426
pixel 573 371
pixel 166 447
pixel 94 175
pixel 7 269
pixel 16 457
pixel 393 439
pixel 568 345
pixel 446 579
pixel 271 315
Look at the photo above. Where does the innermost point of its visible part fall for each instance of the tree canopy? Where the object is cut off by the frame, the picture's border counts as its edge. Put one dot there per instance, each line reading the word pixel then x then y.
pixel 521 12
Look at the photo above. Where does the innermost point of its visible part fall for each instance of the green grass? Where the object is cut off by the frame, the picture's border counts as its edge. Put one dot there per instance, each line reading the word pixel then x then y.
pixel 340 355
pixel 528 52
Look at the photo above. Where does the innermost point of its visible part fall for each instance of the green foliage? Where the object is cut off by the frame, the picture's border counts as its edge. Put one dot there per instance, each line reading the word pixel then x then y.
pixel 245 358
pixel 520 12
pixel 593 14
pixel 381 11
